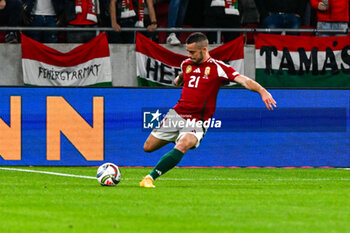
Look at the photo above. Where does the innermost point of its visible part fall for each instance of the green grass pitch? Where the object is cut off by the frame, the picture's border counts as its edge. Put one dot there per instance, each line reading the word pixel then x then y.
pixel 185 200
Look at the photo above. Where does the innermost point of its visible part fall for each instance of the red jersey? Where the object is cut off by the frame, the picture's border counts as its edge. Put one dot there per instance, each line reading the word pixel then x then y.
pixel 201 86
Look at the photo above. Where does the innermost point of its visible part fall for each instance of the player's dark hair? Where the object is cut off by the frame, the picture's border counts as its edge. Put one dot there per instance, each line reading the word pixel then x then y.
pixel 196 37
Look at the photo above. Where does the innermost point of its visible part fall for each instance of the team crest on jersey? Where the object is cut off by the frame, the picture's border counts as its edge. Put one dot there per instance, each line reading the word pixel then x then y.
pixel 188 69
pixel 207 71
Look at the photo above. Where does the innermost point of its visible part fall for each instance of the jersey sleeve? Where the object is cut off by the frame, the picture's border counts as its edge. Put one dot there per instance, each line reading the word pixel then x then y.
pixel 182 65
pixel 226 72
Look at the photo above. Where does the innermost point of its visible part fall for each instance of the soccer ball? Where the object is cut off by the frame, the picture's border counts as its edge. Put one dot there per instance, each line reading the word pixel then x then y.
pixel 108 174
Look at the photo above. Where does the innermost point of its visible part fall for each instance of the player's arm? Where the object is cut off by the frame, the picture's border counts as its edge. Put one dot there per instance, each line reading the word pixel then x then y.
pixel 254 86
pixel 179 80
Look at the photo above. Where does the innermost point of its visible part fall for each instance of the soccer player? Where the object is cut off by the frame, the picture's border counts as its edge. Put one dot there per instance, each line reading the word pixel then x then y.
pixel 201 78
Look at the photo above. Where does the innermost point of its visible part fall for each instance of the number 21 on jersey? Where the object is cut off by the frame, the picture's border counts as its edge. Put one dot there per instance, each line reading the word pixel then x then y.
pixel 193 81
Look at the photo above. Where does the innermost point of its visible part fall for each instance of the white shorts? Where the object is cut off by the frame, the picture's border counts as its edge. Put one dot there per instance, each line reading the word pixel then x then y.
pixel 174 127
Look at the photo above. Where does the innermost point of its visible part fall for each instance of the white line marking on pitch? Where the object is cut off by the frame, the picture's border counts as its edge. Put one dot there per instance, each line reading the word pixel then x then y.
pixel 46 172
pixel 180 179
pixel 252 179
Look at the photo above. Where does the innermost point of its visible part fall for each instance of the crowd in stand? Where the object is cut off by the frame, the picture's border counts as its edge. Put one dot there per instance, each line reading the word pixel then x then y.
pixel 151 14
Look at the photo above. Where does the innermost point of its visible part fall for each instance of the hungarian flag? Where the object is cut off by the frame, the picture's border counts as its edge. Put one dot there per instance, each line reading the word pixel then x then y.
pixel 302 61
pixel 86 65
pixel 157 66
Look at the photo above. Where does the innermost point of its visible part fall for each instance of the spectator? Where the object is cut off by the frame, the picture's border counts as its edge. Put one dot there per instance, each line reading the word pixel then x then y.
pixel 250 14
pixel 10 15
pixel 150 19
pixel 176 15
pixel 281 13
pixel 222 14
pixel 249 19
pixel 81 13
pixel 307 15
pixel 131 13
pixel 42 13
pixel 104 13
pixel 331 14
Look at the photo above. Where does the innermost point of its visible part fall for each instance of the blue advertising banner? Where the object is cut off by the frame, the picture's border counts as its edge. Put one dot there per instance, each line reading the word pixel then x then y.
pixel 90 126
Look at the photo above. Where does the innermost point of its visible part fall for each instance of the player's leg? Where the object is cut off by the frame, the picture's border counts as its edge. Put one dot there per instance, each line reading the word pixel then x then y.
pixel 170 159
pixel 185 138
pixel 186 142
pixel 155 140
pixel 152 143
pixel 173 157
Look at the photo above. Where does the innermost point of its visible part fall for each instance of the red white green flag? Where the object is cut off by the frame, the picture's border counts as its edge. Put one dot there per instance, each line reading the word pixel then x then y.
pixel 86 65
pixel 158 66
pixel 302 61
